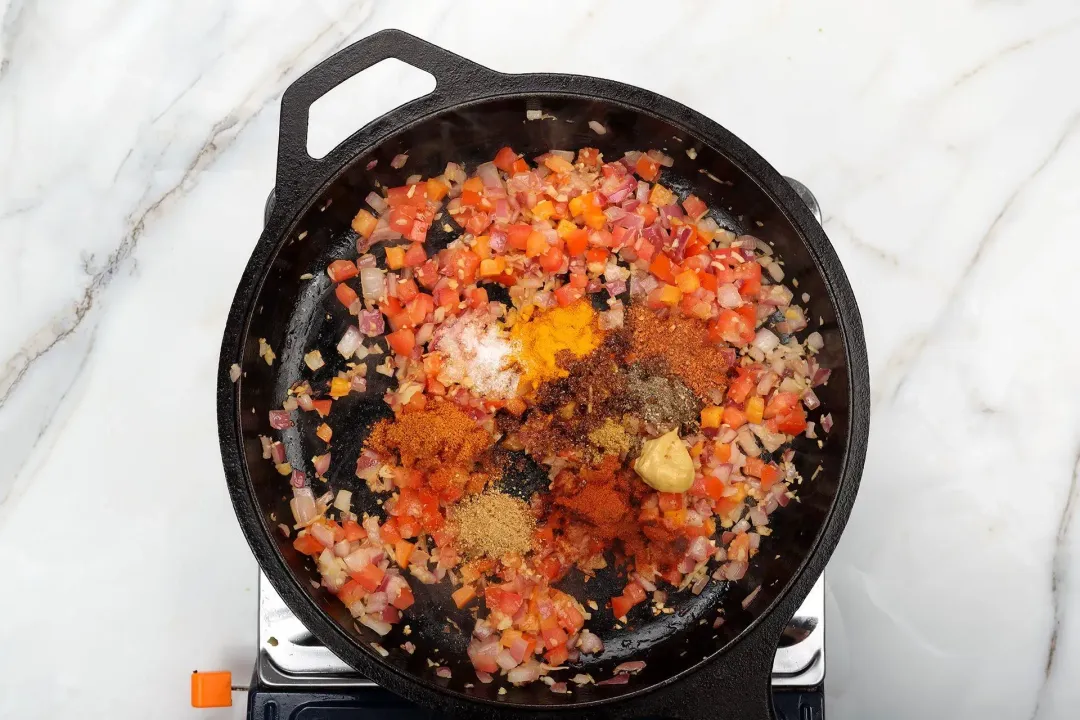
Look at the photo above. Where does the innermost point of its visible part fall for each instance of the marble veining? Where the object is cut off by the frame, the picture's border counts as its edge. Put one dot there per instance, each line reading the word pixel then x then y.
pixel 138 140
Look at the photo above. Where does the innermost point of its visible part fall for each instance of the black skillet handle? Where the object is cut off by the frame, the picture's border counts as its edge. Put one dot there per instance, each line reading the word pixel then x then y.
pixel 457 80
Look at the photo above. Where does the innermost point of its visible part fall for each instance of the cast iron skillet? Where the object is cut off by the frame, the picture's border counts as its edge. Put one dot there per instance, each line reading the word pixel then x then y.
pixel 694 669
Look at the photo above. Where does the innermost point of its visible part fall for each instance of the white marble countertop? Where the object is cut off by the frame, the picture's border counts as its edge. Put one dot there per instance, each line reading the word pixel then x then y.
pixel 137 144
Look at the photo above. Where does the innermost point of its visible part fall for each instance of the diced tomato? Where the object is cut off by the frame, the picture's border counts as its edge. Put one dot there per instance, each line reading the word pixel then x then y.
pixel 579 280
pixel 742 385
pixel 734 417
pixel 418 308
pixel 447 297
pixel 550 567
pixel 463 595
pixel 308 545
pixel 554 637
pixel 621 605
pixel 370 577
pixel 345 294
pixel 552 260
pixel 577 242
pixel 462 264
pixel 389 532
pixel 713 487
pixel 517 236
pixel 753 466
pixel 597 256
pixel 648 169
pixel 324 432
pixel 418 231
pixel 671 501
pixel 427 274
pixel 322 406
pixel 662 268
pixel 504 159
pixel 634 593
pixel 556 164
pixel 660 196
pixel 405 598
pixel 749 273
pixel 568 295
pixel 472 191
pixel 478 222
pixel 401 218
pixel 413 195
pixel 781 403
pixel 769 475
pixel 792 422
pixel 520 166
pixel 589 157
pixel 406 290
pixel 402 341
pixel 354 531
pixel 557 656
pixel 732 327
pixel 477 297
pixel 415 255
pixel 351 592
pixel 403 549
pixel 648 213
pixel 694 206
pixel 408 527
pixel 342 270
pixel 722 451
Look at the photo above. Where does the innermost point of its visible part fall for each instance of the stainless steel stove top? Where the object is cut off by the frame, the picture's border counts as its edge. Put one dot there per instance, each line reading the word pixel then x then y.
pixel 290 656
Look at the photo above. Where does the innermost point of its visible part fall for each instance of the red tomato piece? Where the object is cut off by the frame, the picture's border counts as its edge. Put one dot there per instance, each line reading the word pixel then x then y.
pixel 648 169
pixel 402 341
pixel 341 270
pixel 415 255
pixel 428 273
pixel 308 545
pixel 552 260
pixel 345 294
pixel 476 297
pixel 505 159
pixel 663 269
pixel 405 598
pixel 517 236
pixel 694 206
pixel 406 290
pixel 634 592
pixel 370 577
pixel 621 605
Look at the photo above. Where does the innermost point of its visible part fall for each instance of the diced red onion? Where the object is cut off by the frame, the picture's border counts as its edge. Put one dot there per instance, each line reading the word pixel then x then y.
pixel 377 203
pixel 305 402
pixel 620 679
pixel 634 666
pixel 382 628
pixel 727 295
pixel 444 672
pixel 343 548
pixel 322 464
pixel 399 161
pixel 506 660
pixel 699 549
pixel 766 340
pixel 484 677
pixel 699 585
pixel 280 420
pixel 755 540
pixel 373 285
pixel 371 323
pixel 381 233
pixel 597 128
pixel 350 342
pixel 735 570
pixel 559 688
pixel 821 376
pixel 659 157
pixel 526 673
pixel 277 453
pixel 303 506
pixel 590 643
pixel 687 565
pixel 489 174
pixel 827 422
pixel 298 479
pixel 267 444
pixel 810 399
pixel 358 384
pixel 750 598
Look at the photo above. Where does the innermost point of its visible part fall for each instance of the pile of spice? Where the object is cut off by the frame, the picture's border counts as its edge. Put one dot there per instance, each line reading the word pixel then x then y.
pixel 684 343
pixel 493 525
pixel 541 339
pixel 659 399
pixel 440 435
pixel 477 354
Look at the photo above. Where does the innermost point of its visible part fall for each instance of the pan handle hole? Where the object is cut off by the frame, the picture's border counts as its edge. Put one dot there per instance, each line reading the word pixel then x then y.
pixel 360 99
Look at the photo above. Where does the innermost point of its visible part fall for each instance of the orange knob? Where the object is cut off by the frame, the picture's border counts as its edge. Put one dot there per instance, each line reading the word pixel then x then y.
pixel 211 689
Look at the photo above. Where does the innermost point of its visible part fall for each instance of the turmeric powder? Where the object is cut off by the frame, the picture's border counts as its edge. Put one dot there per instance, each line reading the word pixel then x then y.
pixel 542 337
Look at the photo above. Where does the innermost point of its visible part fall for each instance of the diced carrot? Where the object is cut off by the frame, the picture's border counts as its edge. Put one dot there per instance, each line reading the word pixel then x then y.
pixel 339 387
pixel 755 410
pixel 322 406
pixel 687 281
pixel 395 258
pixel 436 189
pixel 403 549
pixel 543 210
pixel 345 294
pixel 364 224
pixel 734 417
pixel 711 415
pixel 324 432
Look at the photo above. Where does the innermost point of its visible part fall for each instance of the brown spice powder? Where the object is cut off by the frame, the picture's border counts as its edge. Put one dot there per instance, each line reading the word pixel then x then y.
pixel 684 343
pixel 492 524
